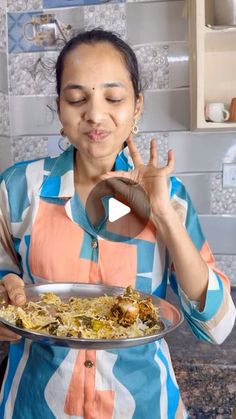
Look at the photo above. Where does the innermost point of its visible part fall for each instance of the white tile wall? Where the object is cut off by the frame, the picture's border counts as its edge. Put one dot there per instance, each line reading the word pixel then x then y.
pixel 166 111
pixel 3 73
pixel 156 22
pixel 42 121
pixel 5 153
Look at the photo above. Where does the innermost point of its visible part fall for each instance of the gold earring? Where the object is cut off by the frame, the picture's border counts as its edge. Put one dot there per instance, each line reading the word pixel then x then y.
pixel 62 132
pixel 134 128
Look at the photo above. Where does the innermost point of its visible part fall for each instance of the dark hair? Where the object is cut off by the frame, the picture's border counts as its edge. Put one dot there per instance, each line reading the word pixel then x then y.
pixel 95 36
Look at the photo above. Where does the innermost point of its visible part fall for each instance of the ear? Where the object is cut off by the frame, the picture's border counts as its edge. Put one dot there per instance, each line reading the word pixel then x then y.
pixel 138 106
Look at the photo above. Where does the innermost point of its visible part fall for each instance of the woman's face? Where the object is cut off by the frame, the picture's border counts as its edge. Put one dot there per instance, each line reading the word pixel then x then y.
pixel 97 106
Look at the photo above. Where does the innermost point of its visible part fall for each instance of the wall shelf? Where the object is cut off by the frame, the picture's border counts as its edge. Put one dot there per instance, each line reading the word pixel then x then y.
pixel 212 64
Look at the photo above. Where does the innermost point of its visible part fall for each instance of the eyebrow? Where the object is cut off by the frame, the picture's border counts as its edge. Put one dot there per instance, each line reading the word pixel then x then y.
pixel 72 86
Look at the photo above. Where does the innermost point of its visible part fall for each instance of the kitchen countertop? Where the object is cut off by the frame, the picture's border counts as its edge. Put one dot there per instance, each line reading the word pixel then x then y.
pixel 206 373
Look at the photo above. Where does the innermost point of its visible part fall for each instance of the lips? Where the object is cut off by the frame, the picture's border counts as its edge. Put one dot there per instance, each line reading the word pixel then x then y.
pixel 97 135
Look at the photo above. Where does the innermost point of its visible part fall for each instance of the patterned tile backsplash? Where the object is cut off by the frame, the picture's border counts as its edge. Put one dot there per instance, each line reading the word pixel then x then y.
pixel 32 73
pixel 107 16
pixel 227 264
pixel 143 144
pixel 223 201
pixel 27 148
pixel 2 29
pixel 36 32
pixel 22 5
pixel 154 65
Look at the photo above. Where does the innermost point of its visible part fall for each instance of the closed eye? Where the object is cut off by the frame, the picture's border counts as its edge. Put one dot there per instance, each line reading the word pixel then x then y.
pixel 114 100
pixel 74 102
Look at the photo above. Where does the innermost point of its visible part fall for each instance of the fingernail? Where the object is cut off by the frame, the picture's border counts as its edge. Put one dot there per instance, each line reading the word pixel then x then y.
pixel 19 299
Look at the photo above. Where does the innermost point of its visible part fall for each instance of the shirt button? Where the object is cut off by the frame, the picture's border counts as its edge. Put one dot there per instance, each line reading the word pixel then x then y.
pixel 94 244
pixel 88 364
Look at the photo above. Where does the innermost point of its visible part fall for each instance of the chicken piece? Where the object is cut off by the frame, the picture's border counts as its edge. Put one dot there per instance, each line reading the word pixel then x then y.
pixel 126 310
pixel 147 311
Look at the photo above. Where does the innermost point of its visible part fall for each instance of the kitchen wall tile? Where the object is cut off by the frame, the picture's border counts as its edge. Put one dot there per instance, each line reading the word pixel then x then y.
pixel 220 231
pixel 227 264
pixel 33 116
pixel 143 143
pixel 36 32
pixel 3 29
pixel 3 4
pixel 28 148
pixel 5 153
pixel 152 22
pixel 3 73
pixel 178 58
pixel 73 16
pixel 154 65
pixel 4 112
pixel 21 5
pixel 223 201
pixel 32 73
pixel 202 152
pixel 163 66
pixel 198 186
pixel 68 3
pixel 107 16
pixel 165 110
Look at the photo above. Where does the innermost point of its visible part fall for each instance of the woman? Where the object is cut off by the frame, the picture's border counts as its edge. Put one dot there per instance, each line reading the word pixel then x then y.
pixel 48 235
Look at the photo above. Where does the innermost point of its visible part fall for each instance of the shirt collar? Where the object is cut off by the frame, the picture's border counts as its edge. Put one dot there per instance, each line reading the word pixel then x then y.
pixel 59 180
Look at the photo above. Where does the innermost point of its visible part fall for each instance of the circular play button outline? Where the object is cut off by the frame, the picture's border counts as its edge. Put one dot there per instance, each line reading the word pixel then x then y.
pixel 122 195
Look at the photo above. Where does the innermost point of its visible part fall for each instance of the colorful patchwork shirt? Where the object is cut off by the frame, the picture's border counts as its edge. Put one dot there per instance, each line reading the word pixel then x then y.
pixel 45 233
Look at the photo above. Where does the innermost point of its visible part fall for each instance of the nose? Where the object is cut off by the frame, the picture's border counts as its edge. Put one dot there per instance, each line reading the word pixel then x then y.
pixel 95 112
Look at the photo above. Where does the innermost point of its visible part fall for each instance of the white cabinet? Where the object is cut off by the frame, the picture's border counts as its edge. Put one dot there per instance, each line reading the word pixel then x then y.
pixel 212 52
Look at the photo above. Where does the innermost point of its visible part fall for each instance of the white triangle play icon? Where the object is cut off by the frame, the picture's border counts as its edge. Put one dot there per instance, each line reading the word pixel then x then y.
pixel 116 210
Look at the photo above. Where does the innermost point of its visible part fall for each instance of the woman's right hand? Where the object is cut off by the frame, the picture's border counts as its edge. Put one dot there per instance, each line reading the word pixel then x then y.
pixel 13 285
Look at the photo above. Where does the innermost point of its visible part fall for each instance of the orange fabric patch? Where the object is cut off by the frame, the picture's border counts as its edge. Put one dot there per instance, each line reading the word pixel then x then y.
pixel 55 247
pixel 118 263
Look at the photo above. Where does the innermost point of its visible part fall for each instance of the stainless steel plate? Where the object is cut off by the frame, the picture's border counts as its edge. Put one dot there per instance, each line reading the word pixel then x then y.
pixel 169 314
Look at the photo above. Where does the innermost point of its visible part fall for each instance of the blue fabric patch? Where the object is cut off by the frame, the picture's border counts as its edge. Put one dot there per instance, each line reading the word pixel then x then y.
pixel 64 163
pixel 214 300
pixel 4 272
pixel 135 368
pixel 172 390
pixel 160 291
pixel 199 333
pixel 15 353
pixel 145 256
pixel 121 163
pixel 16 184
pixel 51 187
pixel 143 284
pixel 27 242
pixel 43 361
pixel 87 252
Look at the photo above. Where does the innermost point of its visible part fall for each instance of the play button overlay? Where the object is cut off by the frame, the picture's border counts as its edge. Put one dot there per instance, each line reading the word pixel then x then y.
pixel 118 209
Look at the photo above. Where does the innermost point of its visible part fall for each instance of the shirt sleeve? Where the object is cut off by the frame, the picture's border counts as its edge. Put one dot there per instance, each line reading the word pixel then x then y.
pixel 216 320
pixel 9 260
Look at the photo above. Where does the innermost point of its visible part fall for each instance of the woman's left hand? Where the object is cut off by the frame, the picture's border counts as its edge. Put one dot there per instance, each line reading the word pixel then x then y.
pixel 153 179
